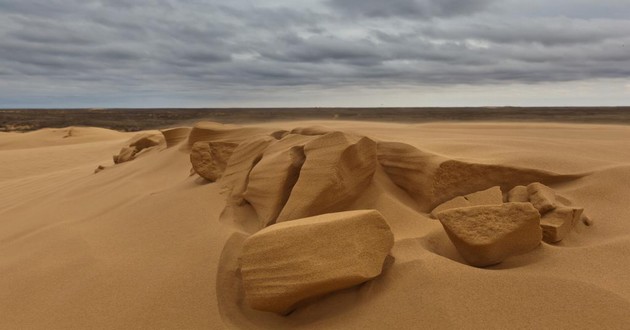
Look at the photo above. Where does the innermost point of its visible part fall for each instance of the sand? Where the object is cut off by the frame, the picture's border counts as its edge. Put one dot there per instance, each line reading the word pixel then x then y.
pixel 144 244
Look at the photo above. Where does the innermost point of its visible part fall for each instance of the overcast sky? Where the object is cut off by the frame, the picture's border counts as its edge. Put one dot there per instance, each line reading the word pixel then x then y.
pixel 206 53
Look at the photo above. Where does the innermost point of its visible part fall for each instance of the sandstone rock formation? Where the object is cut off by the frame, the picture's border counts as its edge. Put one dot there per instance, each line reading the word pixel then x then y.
pixel 240 164
pixel 556 224
pixel 209 158
pixel 542 197
pixel 311 130
pixel 431 179
pixel 518 194
pixel 138 143
pixel 287 263
pixel 491 196
pixel 273 177
pixel 486 235
pixel 337 169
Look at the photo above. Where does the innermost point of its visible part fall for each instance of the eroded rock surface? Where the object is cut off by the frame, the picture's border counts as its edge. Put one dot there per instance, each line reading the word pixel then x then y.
pixel 338 168
pixel 486 235
pixel 491 196
pixel 431 179
pixel 287 263
pixel 137 144
pixel 209 158
pixel 518 194
pixel 272 179
pixel 542 197
pixel 176 135
pixel 557 224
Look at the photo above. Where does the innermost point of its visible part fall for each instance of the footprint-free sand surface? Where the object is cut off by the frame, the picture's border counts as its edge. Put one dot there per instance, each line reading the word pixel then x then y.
pixel 145 244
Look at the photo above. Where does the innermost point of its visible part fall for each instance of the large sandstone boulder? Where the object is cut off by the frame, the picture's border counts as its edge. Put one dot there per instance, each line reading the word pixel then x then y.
pixel 272 179
pixel 431 179
pixel 491 196
pixel 209 158
pixel 486 235
pixel 288 263
pixel 338 168
pixel 557 224
pixel 240 164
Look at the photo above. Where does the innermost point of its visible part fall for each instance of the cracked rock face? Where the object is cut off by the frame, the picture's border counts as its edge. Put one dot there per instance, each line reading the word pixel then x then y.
pixel 273 177
pixel 209 158
pixel 290 262
pixel 486 235
pixel 337 169
pixel 542 197
pixel 557 224
pixel 491 196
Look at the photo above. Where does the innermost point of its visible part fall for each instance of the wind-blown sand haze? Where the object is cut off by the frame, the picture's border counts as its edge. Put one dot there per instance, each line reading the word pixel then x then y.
pixel 146 243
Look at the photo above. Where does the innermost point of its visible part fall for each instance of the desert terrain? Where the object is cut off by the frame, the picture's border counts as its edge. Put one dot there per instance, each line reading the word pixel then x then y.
pixel 316 224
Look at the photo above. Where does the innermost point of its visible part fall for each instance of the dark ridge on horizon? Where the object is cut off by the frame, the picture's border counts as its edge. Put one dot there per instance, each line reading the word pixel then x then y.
pixel 135 119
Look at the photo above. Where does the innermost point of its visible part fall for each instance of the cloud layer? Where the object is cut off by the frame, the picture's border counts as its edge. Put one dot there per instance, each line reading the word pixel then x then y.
pixel 95 51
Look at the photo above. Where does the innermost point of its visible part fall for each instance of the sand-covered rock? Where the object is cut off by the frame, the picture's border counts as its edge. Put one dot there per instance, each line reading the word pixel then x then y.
pixel 209 158
pixel 431 179
pixel 137 144
pixel 287 263
pixel 272 179
pixel 557 223
pixel 542 197
pixel 486 235
pixel 338 168
pixel 491 196
pixel 176 135
pixel 212 131
pixel 240 164
pixel 518 194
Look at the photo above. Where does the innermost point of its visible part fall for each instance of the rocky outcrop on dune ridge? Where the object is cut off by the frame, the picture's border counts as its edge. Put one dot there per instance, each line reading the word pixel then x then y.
pixel 296 192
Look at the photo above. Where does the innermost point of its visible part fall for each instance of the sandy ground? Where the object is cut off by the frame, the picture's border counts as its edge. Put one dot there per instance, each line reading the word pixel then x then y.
pixel 140 244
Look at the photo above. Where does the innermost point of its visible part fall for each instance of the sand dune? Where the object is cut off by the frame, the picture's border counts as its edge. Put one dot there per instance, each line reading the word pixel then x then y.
pixel 144 244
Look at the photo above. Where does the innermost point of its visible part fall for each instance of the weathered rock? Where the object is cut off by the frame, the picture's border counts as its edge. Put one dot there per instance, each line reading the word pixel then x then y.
pixel 556 224
pixel 542 197
pixel 431 179
pixel 126 154
pixel 518 194
pixel 243 159
pixel 288 263
pixel 210 158
pixel 272 179
pixel 137 144
pixel 176 135
pixel 146 140
pixel 278 135
pixel 337 169
pixel 486 235
pixel 99 168
pixel 491 196
pixel 586 219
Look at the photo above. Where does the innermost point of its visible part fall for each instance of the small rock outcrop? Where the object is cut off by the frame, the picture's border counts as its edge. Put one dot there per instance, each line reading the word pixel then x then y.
pixel 288 263
pixel 491 196
pixel 542 197
pixel 518 194
pixel 486 235
pixel 556 224
pixel 137 144
pixel 337 169
pixel 209 158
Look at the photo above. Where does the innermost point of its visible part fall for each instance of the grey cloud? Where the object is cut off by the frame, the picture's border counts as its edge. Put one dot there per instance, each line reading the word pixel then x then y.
pixel 197 47
pixel 410 8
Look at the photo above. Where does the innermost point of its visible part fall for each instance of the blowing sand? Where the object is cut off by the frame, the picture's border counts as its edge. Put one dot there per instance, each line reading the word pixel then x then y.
pixel 145 244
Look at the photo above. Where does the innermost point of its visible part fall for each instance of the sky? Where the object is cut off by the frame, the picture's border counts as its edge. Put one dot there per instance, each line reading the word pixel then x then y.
pixel 313 53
